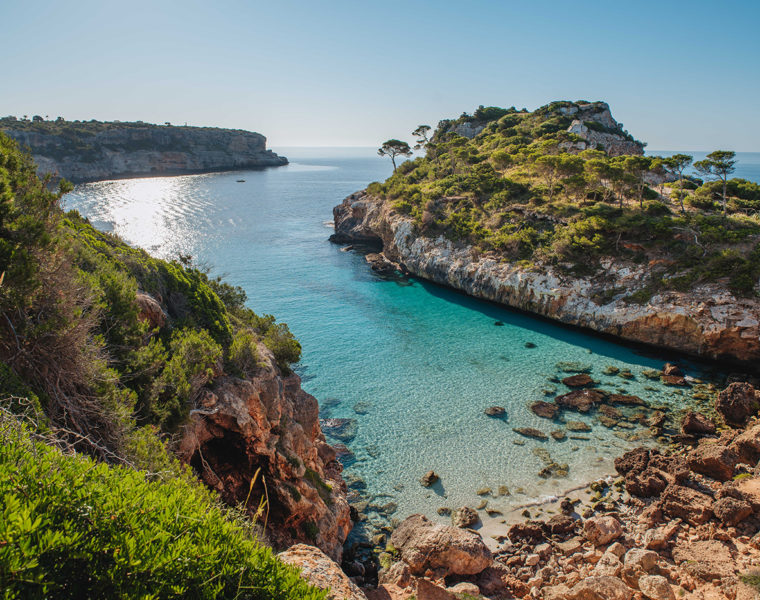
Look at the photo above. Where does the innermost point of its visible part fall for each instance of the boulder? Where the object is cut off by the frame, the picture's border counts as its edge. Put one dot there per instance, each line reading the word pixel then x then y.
pixel 671 369
pixel 685 503
pixel 705 559
pixel 737 402
pixel 317 568
pixel 398 574
pixel 578 381
pixel 426 545
pixel 427 590
pixel 495 411
pixel 732 511
pixel 602 530
pixel 561 525
pixel 714 460
pixel 464 517
pixel 641 560
pixel 656 587
pixel 600 588
pixel 149 310
pixel 465 587
pixel 580 400
pixel 577 426
pixel 747 445
pixel 429 478
pixel 528 531
pixel 546 410
pixel 694 423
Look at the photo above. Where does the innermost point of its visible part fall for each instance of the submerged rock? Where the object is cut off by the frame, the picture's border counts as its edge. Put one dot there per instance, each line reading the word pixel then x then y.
pixel 545 410
pixel 464 517
pixel 496 411
pixel 531 432
pixel 580 400
pixel 340 429
pixel 577 381
pixel 429 479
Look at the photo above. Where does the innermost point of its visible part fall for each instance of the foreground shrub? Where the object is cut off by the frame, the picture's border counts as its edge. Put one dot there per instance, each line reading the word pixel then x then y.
pixel 74 528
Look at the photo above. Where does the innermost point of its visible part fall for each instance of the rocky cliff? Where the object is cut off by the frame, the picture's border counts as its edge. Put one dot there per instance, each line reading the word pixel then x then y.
pixel 98 151
pixel 708 321
pixel 259 439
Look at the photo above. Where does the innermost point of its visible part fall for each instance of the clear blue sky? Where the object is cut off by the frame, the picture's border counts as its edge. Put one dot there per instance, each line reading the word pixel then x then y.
pixel 679 75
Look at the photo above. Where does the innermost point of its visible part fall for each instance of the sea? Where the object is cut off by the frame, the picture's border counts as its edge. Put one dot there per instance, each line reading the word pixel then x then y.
pixel 410 365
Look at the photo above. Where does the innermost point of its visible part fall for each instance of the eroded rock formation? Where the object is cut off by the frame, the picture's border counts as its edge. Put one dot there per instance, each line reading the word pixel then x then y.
pixel 266 430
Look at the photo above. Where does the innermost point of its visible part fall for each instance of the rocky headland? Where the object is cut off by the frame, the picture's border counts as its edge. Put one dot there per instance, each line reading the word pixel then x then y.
pixel 93 151
pixel 708 321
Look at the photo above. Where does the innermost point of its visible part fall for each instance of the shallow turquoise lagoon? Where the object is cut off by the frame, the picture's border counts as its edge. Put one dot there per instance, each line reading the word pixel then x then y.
pixel 413 363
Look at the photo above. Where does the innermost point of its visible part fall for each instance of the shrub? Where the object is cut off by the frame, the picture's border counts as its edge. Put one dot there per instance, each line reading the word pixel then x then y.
pixel 73 528
pixel 243 354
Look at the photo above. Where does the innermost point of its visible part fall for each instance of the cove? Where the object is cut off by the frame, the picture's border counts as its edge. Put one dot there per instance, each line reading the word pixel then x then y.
pixel 412 366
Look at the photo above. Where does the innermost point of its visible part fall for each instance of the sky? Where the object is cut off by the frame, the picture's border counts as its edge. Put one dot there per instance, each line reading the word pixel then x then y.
pixel 678 75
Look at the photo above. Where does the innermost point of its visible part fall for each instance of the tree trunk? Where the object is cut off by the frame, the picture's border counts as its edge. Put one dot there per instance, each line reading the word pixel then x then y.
pixel 393 160
pixel 724 194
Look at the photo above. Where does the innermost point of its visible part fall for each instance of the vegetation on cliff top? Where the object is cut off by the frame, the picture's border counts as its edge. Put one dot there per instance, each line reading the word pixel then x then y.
pixel 112 348
pixel 528 189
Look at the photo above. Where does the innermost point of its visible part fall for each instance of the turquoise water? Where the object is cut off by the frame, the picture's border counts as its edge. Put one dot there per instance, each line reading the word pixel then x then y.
pixel 413 363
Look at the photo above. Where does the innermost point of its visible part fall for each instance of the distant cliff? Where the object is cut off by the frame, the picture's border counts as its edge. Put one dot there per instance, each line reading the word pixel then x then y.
pixel 94 150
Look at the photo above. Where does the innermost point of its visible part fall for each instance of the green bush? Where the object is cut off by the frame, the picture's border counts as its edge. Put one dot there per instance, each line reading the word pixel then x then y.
pixel 243 353
pixel 74 528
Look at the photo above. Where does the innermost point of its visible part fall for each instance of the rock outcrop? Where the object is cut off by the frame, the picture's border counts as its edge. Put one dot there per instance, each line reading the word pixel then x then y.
pixel 266 430
pixel 114 150
pixel 708 321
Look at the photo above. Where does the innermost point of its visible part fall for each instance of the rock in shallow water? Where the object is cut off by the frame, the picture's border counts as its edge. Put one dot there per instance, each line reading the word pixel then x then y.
pixel 429 478
pixel 531 432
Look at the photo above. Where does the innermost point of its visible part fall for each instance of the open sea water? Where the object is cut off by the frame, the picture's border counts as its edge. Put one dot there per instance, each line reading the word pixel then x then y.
pixel 411 364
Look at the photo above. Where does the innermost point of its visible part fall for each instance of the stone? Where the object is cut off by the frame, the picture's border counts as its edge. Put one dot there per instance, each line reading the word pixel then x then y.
pixel 578 381
pixel 747 445
pixel 737 402
pixel 545 410
pixel 625 399
pixel 531 432
pixel 528 531
pixel 319 570
pixel 695 423
pixel 656 587
pixel 398 574
pixel 714 460
pixel 530 345
pixel 732 511
pixel 641 560
pixel 532 560
pixel 577 426
pixel 608 564
pixel 380 264
pixel 425 545
pixel 464 587
pixel 674 380
pixel 429 479
pixel 602 530
pixel 495 411
pixel 706 559
pixel 580 400
pixel 427 590
pixel 600 588
pixel 685 503
pixel 558 435
pixel 464 517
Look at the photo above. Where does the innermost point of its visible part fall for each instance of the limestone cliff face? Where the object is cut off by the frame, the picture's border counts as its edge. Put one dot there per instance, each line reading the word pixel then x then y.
pixel 269 423
pixel 708 321
pixel 145 150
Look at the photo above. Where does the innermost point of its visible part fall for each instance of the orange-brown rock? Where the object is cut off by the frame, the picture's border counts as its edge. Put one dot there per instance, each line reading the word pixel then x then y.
pixel 269 426
pixel 150 310
pixel 319 570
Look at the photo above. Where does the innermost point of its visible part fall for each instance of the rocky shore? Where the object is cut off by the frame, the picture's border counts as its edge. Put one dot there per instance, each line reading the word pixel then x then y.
pixel 684 523
pixel 114 151
pixel 708 321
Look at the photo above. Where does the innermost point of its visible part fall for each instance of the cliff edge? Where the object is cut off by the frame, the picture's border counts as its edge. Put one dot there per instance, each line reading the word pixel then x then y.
pixel 93 151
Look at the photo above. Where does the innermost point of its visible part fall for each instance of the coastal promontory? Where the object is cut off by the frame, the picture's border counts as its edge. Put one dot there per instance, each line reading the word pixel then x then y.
pixel 83 151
